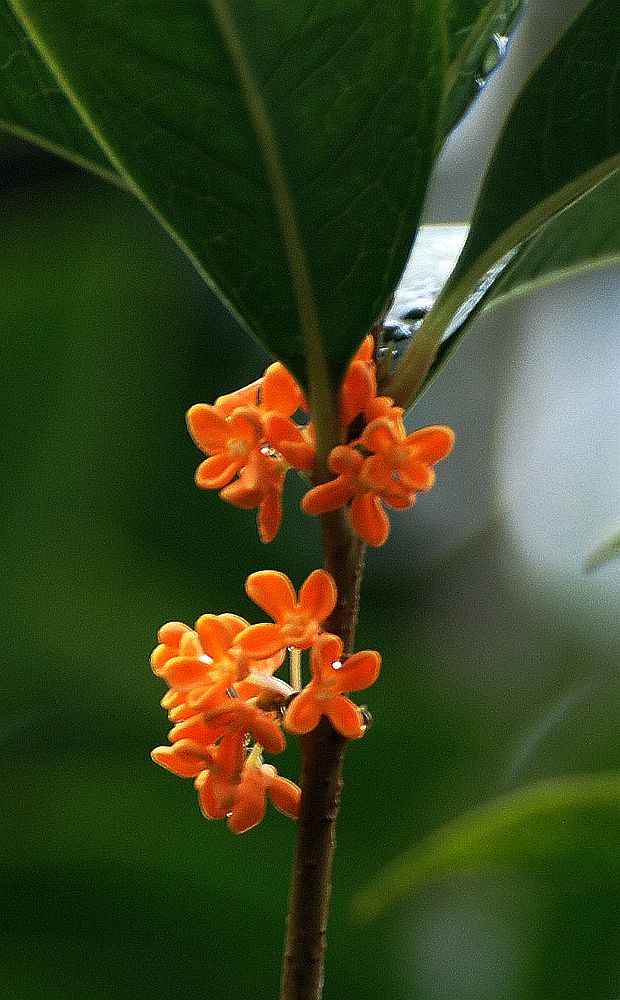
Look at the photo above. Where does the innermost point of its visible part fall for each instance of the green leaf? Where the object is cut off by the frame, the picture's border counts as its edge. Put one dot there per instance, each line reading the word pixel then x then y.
pixel 286 146
pixel 586 235
pixel 604 552
pixel 478 33
pixel 569 826
pixel 561 139
pixel 34 107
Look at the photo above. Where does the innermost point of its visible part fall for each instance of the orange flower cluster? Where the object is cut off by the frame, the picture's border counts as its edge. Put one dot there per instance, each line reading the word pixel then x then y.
pixel 223 695
pixel 251 434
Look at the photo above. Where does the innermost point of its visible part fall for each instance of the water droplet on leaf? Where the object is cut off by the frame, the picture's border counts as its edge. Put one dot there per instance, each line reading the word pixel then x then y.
pixel 493 56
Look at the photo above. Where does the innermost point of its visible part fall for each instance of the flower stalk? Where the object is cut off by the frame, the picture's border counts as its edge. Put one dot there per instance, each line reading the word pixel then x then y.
pixel 303 966
pixel 226 705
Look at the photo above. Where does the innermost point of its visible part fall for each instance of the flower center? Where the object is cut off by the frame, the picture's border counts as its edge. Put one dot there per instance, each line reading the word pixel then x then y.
pixel 295 625
pixel 237 448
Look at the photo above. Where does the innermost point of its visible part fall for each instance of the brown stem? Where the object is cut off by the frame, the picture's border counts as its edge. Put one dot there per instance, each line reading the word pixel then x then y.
pixel 321 783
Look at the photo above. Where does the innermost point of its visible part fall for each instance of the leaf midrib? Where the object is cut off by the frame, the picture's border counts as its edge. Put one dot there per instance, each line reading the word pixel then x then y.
pixel 319 382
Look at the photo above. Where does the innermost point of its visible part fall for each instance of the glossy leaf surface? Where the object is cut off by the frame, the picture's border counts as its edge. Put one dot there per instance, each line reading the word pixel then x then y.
pixel 543 827
pixel 33 106
pixel 287 147
pixel 478 35
pixel 583 237
pixel 561 139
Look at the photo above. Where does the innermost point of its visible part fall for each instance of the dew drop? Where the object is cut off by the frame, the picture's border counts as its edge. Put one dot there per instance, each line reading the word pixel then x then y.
pixel 493 56
pixel 367 717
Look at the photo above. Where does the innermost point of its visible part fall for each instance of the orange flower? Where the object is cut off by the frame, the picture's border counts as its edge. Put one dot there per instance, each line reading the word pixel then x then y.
pixel 258 781
pixel 276 391
pixel 383 406
pixel 359 387
pixel 205 663
pixel 368 518
pixel 280 393
pixel 295 444
pixel 260 485
pixel 228 783
pixel 234 716
pixel 229 442
pixel 324 696
pixel 246 396
pixel 404 458
pixel 218 767
pixel 297 622
pixel 393 467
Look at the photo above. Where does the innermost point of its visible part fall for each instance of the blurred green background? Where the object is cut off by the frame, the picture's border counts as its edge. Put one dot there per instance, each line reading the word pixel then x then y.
pixel 500 661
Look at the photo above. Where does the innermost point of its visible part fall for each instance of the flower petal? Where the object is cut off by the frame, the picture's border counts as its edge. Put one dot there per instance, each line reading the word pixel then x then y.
pixel 303 713
pixel 431 444
pixel 212 805
pixel 328 496
pixel 273 592
pixel 369 520
pixel 416 475
pixel 266 731
pixel 345 460
pixel 160 656
pixel 366 350
pixel 185 759
pixel 233 623
pixel 280 391
pixel 269 517
pixel 185 672
pixel 285 795
pixel 359 671
pixel 346 718
pixel 195 729
pixel 261 641
pixel 172 632
pixel 207 427
pixel 380 436
pixel 249 808
pixel 296 448
pixel 358 388
pixel 326 651
pixel 247 396
pixel 318 595
pixel 216 471
pixel 215 637
pixel 245 424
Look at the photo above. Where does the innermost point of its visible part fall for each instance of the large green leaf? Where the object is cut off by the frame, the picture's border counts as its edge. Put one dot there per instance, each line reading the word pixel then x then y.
pixel 478 33
pixel 561 139
pixel 33 106
pixel 569 826
pixel 582 237
pixel 286 146
pixel 586 235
